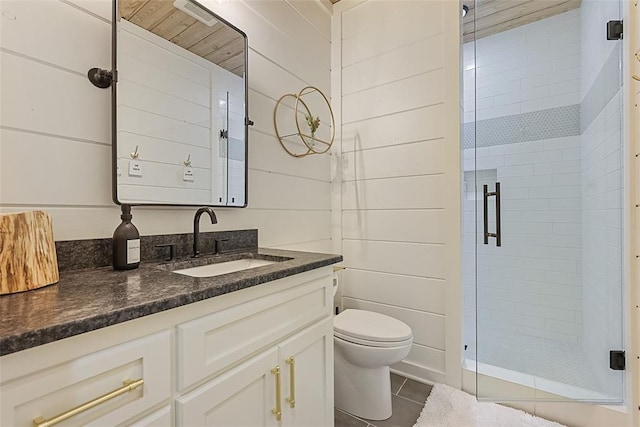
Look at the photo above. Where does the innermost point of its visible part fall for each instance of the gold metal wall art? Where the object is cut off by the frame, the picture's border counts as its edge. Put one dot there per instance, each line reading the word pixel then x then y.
pixel 304 117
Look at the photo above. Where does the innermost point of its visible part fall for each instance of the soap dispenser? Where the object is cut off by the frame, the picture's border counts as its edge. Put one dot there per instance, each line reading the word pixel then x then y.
pixel 126 243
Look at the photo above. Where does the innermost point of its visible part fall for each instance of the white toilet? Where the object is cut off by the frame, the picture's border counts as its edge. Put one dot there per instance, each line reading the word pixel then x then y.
pixel 366 344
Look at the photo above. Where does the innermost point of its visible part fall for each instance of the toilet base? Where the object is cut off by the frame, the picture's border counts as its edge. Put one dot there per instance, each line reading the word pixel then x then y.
pixel 363 392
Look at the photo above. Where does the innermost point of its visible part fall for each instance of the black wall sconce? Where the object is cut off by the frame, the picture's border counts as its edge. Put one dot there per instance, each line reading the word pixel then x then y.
pixel 100 78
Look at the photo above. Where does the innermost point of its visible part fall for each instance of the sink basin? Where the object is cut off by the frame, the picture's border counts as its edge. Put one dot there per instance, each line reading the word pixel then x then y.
pixel 217 269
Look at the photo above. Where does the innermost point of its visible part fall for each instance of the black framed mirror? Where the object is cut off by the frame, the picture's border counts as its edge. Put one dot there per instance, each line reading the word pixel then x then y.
pixel 180 105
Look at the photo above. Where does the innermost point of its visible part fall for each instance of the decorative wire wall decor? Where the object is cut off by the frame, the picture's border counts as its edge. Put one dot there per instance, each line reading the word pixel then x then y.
pixel 307 126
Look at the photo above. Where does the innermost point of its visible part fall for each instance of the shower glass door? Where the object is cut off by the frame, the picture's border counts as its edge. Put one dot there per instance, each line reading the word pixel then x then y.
pixel 543 202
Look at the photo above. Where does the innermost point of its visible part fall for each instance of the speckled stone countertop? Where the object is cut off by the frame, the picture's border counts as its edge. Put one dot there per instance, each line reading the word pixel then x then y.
pixel 90 299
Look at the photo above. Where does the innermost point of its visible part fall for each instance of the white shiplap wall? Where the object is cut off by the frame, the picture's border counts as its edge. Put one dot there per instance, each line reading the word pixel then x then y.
pixel 397 67
pixel 55 126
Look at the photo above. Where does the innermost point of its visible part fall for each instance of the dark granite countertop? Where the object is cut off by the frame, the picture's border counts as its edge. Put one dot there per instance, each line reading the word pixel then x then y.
pixel 90 299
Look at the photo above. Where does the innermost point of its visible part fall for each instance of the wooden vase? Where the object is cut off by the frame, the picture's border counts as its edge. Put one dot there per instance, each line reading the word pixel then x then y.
pixel 27 252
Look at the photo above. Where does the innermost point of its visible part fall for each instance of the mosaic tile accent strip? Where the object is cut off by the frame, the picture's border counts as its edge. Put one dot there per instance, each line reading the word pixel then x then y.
pixel 603 89
pixel 533 126
pixel 570 120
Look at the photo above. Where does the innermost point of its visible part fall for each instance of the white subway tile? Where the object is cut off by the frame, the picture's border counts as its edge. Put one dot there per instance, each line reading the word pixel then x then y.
pixel 527 181
pixel 545 312
pixel 548 264
pixel 558 166
pixel 567 179
pixel 561 143
pixel 551 102
pixel 516 148
pixel 490 113
pixel 571 154
pixel 533 158
pixel 512 171
pixel 524 205
pixel 568 278
pixel 568 328
pixel 565 87
pixel 557 216
pixel 518 320
pixel 526 227
pixel 548 334
pixel 568 191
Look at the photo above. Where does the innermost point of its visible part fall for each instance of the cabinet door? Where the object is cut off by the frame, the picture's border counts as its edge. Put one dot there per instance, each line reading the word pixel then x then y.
pixel 308 381
pixel 243 396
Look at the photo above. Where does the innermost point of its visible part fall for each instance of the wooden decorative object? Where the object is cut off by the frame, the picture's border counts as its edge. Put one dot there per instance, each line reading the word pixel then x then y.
pixel 27 252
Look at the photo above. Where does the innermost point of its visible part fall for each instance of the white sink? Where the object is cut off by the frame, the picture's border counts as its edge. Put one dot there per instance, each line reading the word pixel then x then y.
pixel 210 270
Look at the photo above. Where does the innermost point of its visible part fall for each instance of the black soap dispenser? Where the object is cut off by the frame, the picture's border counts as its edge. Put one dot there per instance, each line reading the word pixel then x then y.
pixel 126 243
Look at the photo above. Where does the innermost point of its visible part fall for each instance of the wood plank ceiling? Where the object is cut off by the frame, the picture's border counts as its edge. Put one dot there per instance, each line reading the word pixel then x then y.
pixel 496 16
pixel 219 43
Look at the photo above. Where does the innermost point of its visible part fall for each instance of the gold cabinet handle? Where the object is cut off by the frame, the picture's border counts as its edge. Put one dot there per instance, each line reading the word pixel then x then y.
pixel 129 385
pixel 292 382
pixel 277 411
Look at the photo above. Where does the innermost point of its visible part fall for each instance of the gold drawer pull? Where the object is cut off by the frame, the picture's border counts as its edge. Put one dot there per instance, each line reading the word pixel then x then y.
pixel 129 385
pixel 277 411
pixel 292 382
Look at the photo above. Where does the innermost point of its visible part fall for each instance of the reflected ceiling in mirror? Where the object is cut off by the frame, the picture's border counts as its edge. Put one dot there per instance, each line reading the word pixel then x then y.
pixel 213 41
pixel 180 135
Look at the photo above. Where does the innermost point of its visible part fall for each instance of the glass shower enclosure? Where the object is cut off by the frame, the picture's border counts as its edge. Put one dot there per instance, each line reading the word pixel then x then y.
pixel 542 199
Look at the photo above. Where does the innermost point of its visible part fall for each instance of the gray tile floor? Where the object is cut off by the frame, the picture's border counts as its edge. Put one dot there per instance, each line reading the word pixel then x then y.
pixel 408 397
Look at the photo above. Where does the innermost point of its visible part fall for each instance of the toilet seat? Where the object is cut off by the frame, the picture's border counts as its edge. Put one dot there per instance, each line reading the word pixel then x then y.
pixel 371 329
pixel 367 343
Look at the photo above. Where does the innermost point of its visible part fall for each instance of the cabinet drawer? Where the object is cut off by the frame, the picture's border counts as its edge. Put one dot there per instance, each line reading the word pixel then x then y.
pixel 160 418
pixel 52 391
pixel 215 342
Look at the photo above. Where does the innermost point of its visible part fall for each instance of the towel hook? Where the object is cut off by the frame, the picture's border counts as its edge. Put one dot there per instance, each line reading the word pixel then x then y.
pixel 135 154
pixel 187 162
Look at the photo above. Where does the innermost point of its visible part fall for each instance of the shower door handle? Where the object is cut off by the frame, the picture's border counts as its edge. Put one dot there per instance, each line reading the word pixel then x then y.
pixel 498 233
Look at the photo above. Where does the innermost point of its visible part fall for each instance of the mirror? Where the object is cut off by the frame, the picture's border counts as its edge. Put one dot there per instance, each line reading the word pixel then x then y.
pixel 180 106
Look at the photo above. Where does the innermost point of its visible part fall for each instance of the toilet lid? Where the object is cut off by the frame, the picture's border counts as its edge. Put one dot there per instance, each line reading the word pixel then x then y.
pixel 370 326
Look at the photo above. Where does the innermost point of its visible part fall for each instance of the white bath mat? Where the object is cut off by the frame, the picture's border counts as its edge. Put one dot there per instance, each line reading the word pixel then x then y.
pixel 449 407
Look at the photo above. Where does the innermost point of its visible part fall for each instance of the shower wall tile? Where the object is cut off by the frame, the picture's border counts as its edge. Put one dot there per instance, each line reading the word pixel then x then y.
pixel 558 167
pixel 535 68
pixel 602 231
pixel 540 257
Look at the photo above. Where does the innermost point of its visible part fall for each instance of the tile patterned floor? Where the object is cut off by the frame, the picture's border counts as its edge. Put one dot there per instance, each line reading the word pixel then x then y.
pixel 408 397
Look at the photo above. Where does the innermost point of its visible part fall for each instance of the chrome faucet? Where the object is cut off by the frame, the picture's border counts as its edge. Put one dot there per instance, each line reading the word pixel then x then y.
pixel 196 227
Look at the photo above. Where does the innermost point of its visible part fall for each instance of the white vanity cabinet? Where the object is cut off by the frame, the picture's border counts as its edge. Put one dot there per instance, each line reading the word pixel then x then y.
pixel 290 384
pixel 232 360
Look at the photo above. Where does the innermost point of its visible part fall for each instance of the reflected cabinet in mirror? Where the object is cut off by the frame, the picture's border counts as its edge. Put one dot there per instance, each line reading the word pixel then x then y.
pixel 180 99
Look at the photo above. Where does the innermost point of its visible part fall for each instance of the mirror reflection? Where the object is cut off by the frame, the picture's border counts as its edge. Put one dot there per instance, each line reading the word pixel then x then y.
pixel 180 135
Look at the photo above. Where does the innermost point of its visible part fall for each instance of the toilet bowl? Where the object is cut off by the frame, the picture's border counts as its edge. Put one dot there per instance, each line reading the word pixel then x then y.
pixel 366 344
